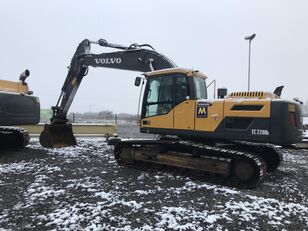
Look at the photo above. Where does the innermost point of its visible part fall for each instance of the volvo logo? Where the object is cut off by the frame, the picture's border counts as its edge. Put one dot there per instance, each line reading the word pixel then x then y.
pixel 108 61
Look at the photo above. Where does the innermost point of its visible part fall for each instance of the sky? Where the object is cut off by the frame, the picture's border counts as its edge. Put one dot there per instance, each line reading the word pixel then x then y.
pixel 205 35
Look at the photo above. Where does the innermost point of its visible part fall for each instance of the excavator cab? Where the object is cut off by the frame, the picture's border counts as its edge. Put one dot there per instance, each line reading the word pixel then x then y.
pixel 169 99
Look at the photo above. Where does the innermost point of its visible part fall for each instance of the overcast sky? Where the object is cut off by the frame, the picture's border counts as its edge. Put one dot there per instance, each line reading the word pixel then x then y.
pixel 205 35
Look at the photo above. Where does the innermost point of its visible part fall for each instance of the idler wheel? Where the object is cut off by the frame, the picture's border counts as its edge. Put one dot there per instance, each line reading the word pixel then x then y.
pixel 244 170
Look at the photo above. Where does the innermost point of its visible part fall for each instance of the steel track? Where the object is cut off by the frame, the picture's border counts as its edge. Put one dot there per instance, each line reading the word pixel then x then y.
pixel 238 164
pixel 13 137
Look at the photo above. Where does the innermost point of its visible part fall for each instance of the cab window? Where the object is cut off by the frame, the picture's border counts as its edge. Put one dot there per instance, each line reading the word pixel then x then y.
pixel 200 88
pixel 181 89
pixel 159 96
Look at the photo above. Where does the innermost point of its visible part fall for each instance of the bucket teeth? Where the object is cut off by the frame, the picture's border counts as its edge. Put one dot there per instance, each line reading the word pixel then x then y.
pixel 57 136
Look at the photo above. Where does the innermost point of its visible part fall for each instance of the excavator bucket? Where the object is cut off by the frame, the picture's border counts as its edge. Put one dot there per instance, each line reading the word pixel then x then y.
pixel 57 136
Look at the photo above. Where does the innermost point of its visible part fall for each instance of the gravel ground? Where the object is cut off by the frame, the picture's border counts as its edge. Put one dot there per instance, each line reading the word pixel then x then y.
pixel 83 188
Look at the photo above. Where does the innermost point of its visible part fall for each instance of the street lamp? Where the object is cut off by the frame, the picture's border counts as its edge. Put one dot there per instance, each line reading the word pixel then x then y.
pixel 251 37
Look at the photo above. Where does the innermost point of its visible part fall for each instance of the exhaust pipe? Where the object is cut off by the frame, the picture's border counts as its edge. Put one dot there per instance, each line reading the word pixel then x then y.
pixel 57 135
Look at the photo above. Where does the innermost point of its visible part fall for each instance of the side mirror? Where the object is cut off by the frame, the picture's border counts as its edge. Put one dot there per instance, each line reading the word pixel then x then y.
pixel 222 92
pixel 138 81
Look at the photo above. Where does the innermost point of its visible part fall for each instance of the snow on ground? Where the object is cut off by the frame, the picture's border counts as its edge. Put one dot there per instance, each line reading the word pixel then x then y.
pixel 83 188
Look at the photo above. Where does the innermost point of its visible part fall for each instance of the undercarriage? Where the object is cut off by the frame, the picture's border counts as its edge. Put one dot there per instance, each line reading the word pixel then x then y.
pixel 13 137
pixel 238 164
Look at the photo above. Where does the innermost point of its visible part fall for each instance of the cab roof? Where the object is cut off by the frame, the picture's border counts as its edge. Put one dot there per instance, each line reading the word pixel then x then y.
pixel 188 72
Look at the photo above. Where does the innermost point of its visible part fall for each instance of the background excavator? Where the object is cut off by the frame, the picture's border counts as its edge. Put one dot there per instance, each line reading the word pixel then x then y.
pixel 231 136
pixel 17 107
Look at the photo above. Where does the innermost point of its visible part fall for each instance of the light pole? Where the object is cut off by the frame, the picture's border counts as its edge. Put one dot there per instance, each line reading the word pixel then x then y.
pixel 251 37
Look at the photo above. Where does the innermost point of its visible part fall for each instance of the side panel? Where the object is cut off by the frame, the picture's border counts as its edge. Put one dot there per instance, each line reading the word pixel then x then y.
pixel 209 115
pixel 244 128
pixel 184 115
pixel 17 109
pixel 236 119
pixel 246 119
pixel 247 108
pixel 160 121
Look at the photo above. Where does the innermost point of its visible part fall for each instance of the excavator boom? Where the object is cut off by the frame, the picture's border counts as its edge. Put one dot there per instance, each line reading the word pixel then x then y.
pixel 142 58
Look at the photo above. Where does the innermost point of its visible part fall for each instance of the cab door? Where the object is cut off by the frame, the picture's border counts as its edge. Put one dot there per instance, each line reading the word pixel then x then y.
pixel 184 107
pixel 158 103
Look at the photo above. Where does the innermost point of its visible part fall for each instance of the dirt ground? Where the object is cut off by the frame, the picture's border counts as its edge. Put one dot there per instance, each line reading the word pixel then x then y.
pixel 83 188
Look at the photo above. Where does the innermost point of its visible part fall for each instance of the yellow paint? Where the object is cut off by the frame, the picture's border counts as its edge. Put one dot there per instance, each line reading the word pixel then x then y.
pixel 202 111
pixel 214 118
pixel 159 121
pixel 253 94
pixel 74 81
pixel 15 87
pixel 263 113
pixel 188 72
pixel 79 129
pixel 184 115
pixel 291 108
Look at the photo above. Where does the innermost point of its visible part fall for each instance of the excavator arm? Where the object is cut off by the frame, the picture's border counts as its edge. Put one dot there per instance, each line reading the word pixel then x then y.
pixel 142 58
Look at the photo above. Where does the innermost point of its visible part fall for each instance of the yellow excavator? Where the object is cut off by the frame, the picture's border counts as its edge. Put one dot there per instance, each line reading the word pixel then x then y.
pixel 232 136
pixel 17 107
